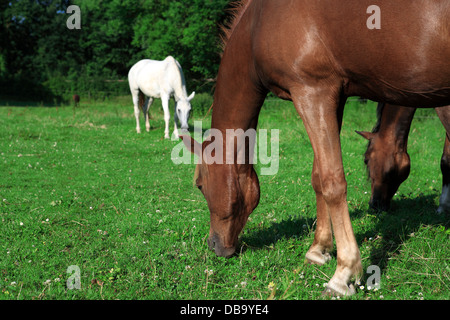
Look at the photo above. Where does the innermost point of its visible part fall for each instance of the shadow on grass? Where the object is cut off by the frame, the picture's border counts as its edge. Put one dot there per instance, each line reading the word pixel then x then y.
pixel 296 227
pixel 405 217
pixel 391 229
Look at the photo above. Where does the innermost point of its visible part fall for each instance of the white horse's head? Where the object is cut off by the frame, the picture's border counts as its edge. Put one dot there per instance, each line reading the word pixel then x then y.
pixel 183 110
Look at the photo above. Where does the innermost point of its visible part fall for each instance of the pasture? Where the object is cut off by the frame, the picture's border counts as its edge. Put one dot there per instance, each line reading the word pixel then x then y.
pixel 79 187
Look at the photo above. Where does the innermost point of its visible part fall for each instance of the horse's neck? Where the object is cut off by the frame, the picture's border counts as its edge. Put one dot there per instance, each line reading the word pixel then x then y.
pixel 238 95
pixel 178 82
pixel 179 88
pixel 237 98
pixel 395 127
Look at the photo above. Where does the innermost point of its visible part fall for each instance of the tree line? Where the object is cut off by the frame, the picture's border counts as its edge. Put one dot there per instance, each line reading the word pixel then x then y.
pixel 42 59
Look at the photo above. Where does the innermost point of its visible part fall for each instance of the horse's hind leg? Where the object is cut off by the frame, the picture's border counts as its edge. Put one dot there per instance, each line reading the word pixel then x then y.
pixel 136 101
pixel 319 252
pixel 444 201
pixel 146 110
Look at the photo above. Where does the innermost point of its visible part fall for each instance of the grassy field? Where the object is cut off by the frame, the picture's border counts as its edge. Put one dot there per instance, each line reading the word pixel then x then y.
pixel 79 187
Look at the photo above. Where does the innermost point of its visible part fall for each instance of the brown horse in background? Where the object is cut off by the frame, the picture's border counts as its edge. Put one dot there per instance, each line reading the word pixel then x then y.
pixel 387 158
pixel 317 53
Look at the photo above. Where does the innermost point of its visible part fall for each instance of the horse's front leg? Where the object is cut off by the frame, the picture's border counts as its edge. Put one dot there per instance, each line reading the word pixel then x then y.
pixel 319 110
pixel 175 120
pixel 165 105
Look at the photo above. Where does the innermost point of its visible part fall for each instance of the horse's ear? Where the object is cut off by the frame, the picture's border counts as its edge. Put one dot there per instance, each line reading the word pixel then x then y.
pixel 191 96
pixel 366 135
pixel 192 145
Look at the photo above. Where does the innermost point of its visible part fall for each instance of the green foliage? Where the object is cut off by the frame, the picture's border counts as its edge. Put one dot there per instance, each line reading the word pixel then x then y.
pixel 37 47
pixel 190 30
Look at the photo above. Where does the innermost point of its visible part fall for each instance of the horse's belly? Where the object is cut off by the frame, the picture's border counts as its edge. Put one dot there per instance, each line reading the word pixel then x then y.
pixel 149 85
pixel 390 92
pixel 151 92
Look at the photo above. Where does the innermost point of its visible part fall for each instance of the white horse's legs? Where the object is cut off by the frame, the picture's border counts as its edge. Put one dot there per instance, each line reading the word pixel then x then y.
pixel 175 119
pixel 165 105
pixel 146 110
pixel 136 110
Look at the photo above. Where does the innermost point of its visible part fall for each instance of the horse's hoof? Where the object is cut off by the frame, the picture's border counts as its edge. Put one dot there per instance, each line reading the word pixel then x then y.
pixel 339 290
pixel 316 257
pixel 443 210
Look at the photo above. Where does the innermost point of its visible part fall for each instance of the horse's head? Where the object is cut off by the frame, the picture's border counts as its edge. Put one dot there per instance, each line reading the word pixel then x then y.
pixel 232 193
pixel 183 110
pixel 387 169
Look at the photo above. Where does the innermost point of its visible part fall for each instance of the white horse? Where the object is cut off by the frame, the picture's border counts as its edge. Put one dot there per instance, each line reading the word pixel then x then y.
pixel 160 79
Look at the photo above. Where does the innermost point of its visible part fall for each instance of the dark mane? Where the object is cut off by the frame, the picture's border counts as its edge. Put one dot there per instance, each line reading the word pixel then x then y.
pixel 380 109
pixel 236 11
pixel 376 129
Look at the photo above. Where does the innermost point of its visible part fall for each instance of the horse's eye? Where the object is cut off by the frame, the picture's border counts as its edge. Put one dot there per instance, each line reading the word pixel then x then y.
pixel 198 183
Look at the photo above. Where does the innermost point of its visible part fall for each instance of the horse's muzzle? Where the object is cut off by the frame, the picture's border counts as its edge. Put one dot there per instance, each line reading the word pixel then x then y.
pixel 214 243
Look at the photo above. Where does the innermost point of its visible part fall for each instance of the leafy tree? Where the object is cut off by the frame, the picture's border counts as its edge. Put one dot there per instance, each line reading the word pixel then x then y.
pixel 187 30
pixel 39 53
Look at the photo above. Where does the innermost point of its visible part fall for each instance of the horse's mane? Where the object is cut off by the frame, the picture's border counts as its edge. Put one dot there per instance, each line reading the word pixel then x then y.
pixel 236 11
pixel 376 129
pixel 380 109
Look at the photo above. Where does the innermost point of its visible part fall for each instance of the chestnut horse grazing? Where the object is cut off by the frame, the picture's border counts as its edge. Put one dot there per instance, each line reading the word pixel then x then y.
pixel 387 159
pixel 317 53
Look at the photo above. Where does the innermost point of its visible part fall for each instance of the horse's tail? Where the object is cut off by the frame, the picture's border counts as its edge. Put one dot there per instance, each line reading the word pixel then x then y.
pixel 141 100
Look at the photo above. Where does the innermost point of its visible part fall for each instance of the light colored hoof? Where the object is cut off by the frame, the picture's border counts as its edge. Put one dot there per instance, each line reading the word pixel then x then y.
pixel 339 284
pixel 138 130
pixel 340 290
pixel 316 257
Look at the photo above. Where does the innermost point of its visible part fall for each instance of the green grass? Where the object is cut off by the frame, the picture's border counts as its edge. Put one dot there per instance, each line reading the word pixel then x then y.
pixel 80 187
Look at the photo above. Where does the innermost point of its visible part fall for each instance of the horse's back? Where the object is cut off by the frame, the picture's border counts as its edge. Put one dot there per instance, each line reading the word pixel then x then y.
pixel 149 76
pixel 407 59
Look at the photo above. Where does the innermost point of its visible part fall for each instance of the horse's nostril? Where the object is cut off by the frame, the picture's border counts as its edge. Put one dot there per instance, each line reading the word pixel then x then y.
pixel 212 243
